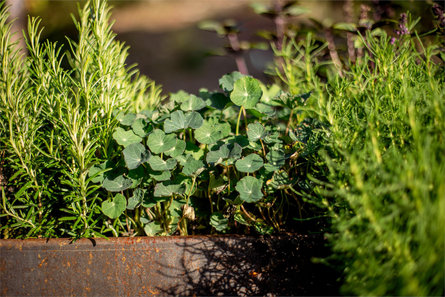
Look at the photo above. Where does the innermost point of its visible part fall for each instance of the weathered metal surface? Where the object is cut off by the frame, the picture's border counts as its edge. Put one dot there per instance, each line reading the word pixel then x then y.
pixel 149 266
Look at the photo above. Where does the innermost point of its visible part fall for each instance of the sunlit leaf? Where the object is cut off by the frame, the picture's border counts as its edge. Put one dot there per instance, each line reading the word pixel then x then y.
pixel 157 164
pixel 193 103
pixel 113 209
pixel 125 138
pixel 246 92
pixel 159 142
pixel 119 183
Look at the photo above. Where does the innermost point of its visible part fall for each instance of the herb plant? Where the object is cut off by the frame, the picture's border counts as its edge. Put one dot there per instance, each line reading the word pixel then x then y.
pixel 56 122
pixel 383 155
pixel 219 159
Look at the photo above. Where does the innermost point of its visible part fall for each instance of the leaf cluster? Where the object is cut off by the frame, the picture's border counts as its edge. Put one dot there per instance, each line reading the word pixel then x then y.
pixel 216 159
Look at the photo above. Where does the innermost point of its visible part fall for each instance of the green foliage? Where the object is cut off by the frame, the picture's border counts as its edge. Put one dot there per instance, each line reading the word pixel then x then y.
pixel 197 157
pixel 386 166
pixel 56 123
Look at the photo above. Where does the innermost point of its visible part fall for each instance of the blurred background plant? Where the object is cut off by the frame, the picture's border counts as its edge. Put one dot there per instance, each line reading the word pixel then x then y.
pixel 168 46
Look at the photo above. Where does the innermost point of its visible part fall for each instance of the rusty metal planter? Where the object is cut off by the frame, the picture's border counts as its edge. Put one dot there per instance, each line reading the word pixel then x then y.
pixel 193 265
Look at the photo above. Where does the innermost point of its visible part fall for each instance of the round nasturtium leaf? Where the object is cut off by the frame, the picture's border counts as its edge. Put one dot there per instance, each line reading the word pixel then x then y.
pixel 113 209
pixel 141 127
pixel 125 138
pixel 193 103
pixel 135 154
pixel 176 122
pixel 157 164
pixel 249 189
pixel 246 92
pixel 127 119
pixel 255 131
pixel 210 132
pixel 228 80
pixel 120 183
pixel 192 167
pixel 179 121
pixel 166 189
pixel 136 199
pixel 193 120
pixel 159 142
pixel 177 150
pixel 249 164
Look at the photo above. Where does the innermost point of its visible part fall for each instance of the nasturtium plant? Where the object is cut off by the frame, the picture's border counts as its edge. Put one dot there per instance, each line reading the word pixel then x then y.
pixel 202 161
pixel 211 131
pixel 179 121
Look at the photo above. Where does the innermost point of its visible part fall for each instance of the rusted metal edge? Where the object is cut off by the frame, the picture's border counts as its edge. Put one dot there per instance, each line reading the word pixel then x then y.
pixel 175 265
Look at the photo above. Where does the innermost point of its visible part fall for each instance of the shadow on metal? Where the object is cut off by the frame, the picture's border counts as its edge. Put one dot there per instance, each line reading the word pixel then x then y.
pixel 159 266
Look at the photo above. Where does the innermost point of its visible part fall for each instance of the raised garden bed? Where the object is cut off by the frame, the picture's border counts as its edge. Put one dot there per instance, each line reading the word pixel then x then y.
pixel 175 265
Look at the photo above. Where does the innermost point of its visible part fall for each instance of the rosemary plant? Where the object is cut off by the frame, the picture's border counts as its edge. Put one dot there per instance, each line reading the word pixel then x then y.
pixel 57 122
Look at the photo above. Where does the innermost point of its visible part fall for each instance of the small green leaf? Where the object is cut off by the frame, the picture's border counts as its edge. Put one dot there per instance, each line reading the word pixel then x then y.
pixel 166 189
pixel 246 92
pixel 136 199
pixel 153 228
pixel 141 127
pixel 135 154
pixel 177 150
pixel 219 222
pixel 249 189
pixel 126 120
pixel 193 103
pixel 113 209
pixel 193 167
pixel 227 81
pixel 255 131
pixel 230 151
pixel 160 175
pixel 157 164
pixel 249 164
pixel 193 120
pixel 180 96
pixel 179 121
pixel 120 183
pixel 210 132
pixel 276 159
pixel 159 142
pixel 125 138
pixel 176 122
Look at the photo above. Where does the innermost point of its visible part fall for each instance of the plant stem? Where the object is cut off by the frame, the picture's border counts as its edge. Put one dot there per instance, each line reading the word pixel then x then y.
pixel 238 121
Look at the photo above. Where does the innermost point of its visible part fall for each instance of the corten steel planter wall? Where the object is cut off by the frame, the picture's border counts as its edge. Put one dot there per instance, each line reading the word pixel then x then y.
pixel 194 265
